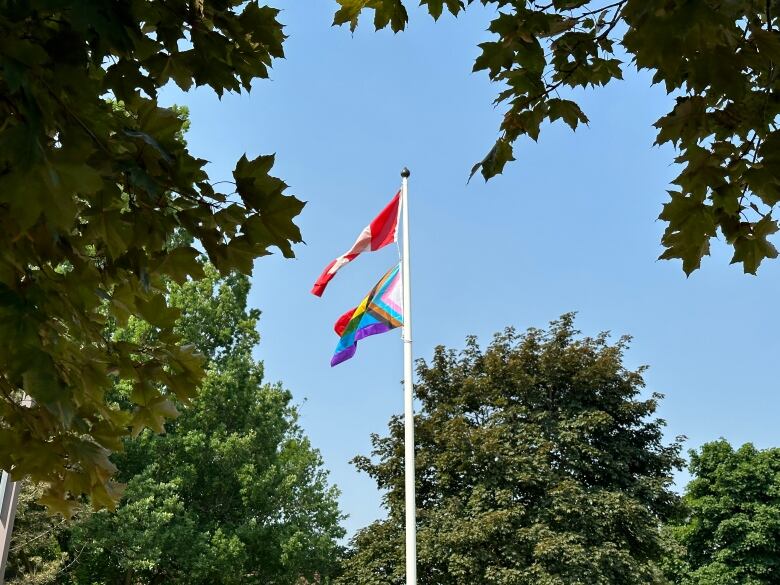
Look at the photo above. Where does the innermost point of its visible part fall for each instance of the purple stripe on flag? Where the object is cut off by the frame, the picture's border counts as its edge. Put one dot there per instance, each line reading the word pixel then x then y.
pixel 343 355
pixel 348 352
pixel 373 329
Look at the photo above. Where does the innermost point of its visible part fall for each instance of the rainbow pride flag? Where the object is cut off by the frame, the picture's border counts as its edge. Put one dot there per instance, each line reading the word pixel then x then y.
pixel 378 312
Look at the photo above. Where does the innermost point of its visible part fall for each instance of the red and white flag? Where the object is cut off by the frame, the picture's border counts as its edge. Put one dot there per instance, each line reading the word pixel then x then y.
pixel 380 232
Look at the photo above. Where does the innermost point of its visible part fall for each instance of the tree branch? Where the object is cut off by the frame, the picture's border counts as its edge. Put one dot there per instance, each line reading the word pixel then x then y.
pixel 589 12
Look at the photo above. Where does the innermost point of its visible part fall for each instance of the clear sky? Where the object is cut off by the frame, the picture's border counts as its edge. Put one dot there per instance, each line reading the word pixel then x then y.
pixel 570 226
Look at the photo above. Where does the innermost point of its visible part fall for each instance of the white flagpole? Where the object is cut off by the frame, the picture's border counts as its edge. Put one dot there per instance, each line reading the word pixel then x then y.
pixel 411 522
pixel 9 494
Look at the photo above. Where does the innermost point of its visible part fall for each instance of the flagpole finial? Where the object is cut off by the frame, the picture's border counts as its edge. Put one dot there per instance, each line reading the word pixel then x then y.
pixel 405 173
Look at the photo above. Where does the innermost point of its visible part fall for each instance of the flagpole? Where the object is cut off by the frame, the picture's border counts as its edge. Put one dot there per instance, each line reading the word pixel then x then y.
pixel 411 522
pixel 9 495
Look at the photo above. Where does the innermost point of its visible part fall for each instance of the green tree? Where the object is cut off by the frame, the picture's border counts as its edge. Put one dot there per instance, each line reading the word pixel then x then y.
pixel 233 492
pixel 537 463
pixel 94 182
pixel 720 59
pixel 36 555
pixel 731 535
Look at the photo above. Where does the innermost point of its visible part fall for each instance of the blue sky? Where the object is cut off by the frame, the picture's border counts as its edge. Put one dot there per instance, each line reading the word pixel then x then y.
pixel 570 226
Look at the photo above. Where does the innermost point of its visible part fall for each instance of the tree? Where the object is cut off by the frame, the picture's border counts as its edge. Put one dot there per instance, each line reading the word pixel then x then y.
pixel 94 183
pixel 233 492
pixel 720 60
pixel 732 532
pixel 36 556
pixel 537 463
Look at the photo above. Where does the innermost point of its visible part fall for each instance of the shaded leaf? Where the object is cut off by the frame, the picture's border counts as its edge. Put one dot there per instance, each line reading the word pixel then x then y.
pixel 753 248
pixel 567 110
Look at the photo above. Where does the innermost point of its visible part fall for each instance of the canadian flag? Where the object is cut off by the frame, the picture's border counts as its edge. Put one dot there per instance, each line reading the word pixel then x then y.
pixel 380 232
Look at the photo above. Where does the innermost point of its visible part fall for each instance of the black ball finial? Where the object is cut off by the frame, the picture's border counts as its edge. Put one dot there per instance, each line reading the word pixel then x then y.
pixel 405 173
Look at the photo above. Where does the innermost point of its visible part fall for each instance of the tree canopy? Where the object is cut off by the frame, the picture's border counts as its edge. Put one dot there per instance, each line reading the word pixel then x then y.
pixel 538 462
pixel 732 531
pixel 232 493
pixel 719 59
pixel 94 183
pixel 36 555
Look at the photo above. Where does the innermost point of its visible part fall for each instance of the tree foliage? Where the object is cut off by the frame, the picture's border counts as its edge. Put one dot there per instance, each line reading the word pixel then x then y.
pixel 537 463
pixel 732 533
pixel 720 59
pixel 36 555
pixel 94 182
pixel 233 492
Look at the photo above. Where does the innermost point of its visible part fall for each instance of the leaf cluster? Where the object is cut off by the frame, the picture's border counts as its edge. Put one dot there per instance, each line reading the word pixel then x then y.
pixel 537 462
pixel 96 186
pixel 720 60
